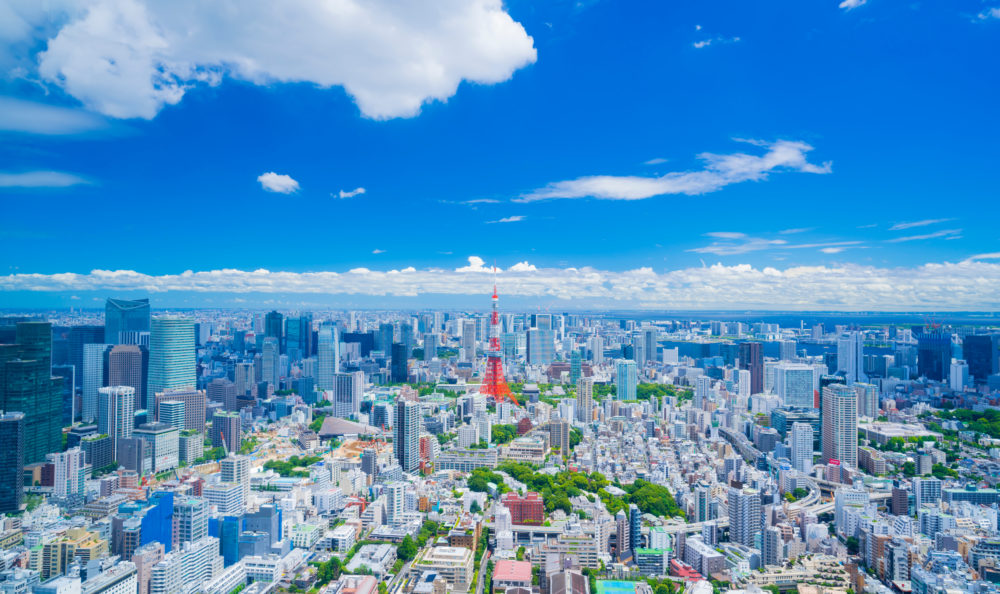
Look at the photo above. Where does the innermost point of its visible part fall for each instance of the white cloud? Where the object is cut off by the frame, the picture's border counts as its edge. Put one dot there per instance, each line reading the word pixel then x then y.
pixel 510 219
pixel 989 13
pixel 130 58
pixel 734 244
pixel 947 233
pixel 40 179
pixel 655 161
pixel 278 182
pixel 351 193
pixel 707 42
pixel 482 201
pixel 795 230
pixel 966 285
pixel 852 4
pixel 912 224
pixel 377 251
pixel 38 118
pixel 719 172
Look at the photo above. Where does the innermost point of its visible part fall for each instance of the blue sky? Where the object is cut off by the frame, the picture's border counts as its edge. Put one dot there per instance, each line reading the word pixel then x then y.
pixel 859 141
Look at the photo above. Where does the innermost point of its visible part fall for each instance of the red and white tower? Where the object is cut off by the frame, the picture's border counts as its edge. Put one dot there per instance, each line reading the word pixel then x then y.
pixel 494 384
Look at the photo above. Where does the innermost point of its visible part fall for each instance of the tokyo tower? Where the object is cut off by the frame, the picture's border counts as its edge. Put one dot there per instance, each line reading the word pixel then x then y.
pixel 494 383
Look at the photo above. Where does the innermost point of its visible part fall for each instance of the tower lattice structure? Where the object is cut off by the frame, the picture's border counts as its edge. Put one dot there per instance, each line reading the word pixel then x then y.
pixel 494 384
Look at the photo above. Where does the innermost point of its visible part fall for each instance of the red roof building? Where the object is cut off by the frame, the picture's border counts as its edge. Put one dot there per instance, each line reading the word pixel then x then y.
pixel 529 509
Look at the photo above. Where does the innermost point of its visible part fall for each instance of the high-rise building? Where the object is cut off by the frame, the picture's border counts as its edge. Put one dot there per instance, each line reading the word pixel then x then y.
pixel 224 391
pixel 793 383
pixel 236 469
pixel 270 367
pixel 274 324
pixel 744 515
pixel 406 438
pixel 702 504
pixel 348 390
pixel 772 546
pixel 752 359
pixel 94 358
pixel 11 462
pixel 172 364
pixel 702 391
pixel 934 353
pixel 398 365
pixel 802 447
pixel 171 412
pixel 840 425
pixel 744 384
pixel 626 379
pixel 125 368
pixel 851 358
pixel 68 473
pixel 328 358
pixel 958 377
pixel 468 340
pixel 650 343
pixel 868 404
pixel 161 447
pixel 194 406
pixel 395 507
pixel 79 336
pixel 27 386
pixel 786 350
pixel 559 435
pixel 430 345
pixel 585 399
pixel 116 414
pixel 541 346
pixel 125 316
pixel 226 431
pixel 982 353
pixel 190 520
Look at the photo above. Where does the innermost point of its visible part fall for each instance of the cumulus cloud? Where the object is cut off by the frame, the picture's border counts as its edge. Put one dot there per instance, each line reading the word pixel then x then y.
pixel 351 193
pixel 719 171
pixel 278 182
pixel 130 58
pixel 966 285
pixel 510 219
pixel 912 224
pixel 852 4
pixel 946 233
pixel 989 13
pixel 377 251
pixel 40 179
pixel 17 115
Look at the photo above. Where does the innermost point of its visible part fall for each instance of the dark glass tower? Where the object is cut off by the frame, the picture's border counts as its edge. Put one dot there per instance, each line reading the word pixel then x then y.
pixel 123 315
pixel 934 356
pixel 980 351
pixel 27 385
pixel 11 461
pixel 752 359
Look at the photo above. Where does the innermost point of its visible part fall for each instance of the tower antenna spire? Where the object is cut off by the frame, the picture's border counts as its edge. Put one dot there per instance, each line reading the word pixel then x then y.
pixel 494 383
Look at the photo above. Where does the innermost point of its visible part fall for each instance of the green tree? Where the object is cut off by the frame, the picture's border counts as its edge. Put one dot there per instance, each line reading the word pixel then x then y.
pixel 407 549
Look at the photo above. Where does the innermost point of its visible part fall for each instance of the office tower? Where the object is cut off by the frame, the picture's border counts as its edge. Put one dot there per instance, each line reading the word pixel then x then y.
pixel 585 399
pixel 635 527
pixel 596 346
pixel 194 406
pixel 116 414
pixel 270 351
pixel 68 473
pixel 934 356
pixel 702 504
pixel 328 358
pixel 224 391
pixel 11 462
pixel 744 516
pixel 161 447
pixel 786 350
pixel 406 435
pixel 981 352
pixel 851 358
pixel 190 520
pixel 172 353
pixel 171 412
pixel 27 386
pixel 840 425
pixel 348 390
pixel 236 469
pixel 541 346
pixel 125 368
pixel 802 447
pixel 468 336
pixel 702 391
pixel 406 338
pixel 752 359
pixel 575 366
pixel 67 389
pixel 793 383
pixel 93 378
pixel 79 336
pixel 559 435
pixel 430 346
pixel 394 506
pixel 244 376
pixel 744 384
pixel 274 325
pixel 369 462
pixel 650 343
pixel 398 365
pixel 622 534
pixel 626 379
pixel 225 431
pixel 867 400
pixel 772 546
pixel 144 558
pixel 958 378
pixel 125 316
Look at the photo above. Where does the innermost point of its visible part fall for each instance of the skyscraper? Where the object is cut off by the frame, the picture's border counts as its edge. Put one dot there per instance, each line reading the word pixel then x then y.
pixel 649 343
pixel 125 368
pixel 840 424
pixel 328 357
pixel 125 316
pixel 468 340
pixel 793 383
pixel 116 414
pixel 752 359
pixel 934 356
pixel 348 390
pixel 851 358
pixel 172 354
pixel 406 438
pixel 981 352
pixel 226 431
pixel 194 407
pixel 171 412
pixel 398 365
pixel 430 346
pixel 585 399
pixel 11 462
pixel 744 515
pixel 274 327
pixel 626 379
pixel 27 386
pixel 236 469
pixel 801 438
pixel 270 351
pixel 94 359
pixel 541 346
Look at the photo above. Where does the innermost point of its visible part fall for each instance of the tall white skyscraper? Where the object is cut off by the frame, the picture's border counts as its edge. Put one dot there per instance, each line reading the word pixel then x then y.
pixel 850 357
pixel 702 391
pixel 328 357
pixel 406 435
pixel 802 447
pixel 68 468
pixel 236 469
pixel 395 505
pixel 793 383
pixel 172 355
pixel 348 390
pixel 958 379
pixel 626 379
pixel 867 400
pixel 93 379
pixel 743 384
pixel 468 340
pixel 744 515
pixel 585 399
pixel 270 362
pixel 596 346
pixel 840 424
pixel 116 414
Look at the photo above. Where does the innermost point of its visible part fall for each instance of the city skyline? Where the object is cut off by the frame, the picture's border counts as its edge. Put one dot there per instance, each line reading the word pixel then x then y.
pixel 673 157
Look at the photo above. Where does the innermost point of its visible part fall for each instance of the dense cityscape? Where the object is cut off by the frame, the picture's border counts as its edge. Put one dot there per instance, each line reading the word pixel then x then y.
pixel 435 451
